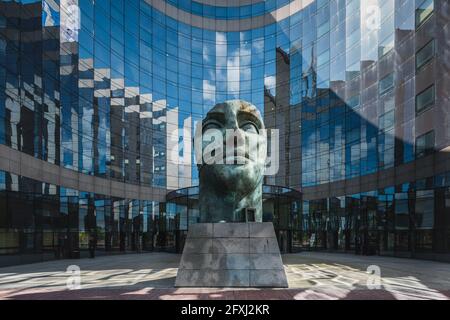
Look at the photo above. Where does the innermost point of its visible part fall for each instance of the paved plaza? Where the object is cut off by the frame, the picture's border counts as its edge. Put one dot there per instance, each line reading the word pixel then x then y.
pixel 311 275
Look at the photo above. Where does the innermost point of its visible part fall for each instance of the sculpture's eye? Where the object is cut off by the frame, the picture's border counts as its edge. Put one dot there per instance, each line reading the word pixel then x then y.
pixel 249 127
pixel 211 125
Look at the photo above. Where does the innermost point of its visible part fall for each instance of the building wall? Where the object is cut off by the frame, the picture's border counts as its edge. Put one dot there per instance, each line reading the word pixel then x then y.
pixel 95 96
pixel 367 185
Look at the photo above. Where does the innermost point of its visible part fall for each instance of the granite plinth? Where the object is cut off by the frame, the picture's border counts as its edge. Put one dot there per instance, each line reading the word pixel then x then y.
pixel 231 255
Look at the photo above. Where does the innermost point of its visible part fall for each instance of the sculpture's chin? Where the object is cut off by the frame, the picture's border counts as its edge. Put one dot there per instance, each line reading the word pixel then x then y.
pixel 241 179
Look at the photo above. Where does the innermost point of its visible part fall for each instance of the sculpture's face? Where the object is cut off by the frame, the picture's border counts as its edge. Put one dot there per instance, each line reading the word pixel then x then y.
pixel 241 168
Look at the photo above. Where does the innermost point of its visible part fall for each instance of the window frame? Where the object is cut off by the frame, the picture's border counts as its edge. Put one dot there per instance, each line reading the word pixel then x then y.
pixel 428 149
pixel 427 61
pixel 426 106
pixel 386 90
pixel 426 18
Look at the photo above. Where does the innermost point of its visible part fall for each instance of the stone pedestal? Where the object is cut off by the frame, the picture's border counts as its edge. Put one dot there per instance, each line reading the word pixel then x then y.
pixel 231 255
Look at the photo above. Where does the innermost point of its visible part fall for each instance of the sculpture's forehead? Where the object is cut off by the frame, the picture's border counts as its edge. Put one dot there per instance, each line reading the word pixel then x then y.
pixel 233 107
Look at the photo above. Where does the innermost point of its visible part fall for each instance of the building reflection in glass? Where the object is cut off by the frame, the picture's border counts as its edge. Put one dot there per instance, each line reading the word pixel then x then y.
pixel 360 97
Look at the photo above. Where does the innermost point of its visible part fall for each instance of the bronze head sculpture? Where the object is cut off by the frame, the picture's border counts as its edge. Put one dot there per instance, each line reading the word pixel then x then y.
pixel 230 187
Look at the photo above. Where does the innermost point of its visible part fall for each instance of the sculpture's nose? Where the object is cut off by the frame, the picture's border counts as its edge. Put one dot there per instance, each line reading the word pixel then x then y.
pixel 234 137
pixel 231 129
pixel 232 122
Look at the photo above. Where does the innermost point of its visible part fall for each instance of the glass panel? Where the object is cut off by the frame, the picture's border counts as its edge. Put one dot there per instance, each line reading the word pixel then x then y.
pixel 425 99
pixel 424 211
pixel 401 211
pixel 425 144
pixel 386 83
pixel 424 55
pixel 424 11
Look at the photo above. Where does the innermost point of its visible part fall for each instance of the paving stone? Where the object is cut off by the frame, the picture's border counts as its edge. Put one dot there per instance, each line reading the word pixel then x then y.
pixel 152 276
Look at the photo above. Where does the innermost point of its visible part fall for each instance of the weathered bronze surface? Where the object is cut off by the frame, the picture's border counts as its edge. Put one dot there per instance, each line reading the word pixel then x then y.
pixel 226 190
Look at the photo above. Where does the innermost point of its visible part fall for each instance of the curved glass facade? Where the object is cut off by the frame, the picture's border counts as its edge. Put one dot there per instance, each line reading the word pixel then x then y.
pixel 94 94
